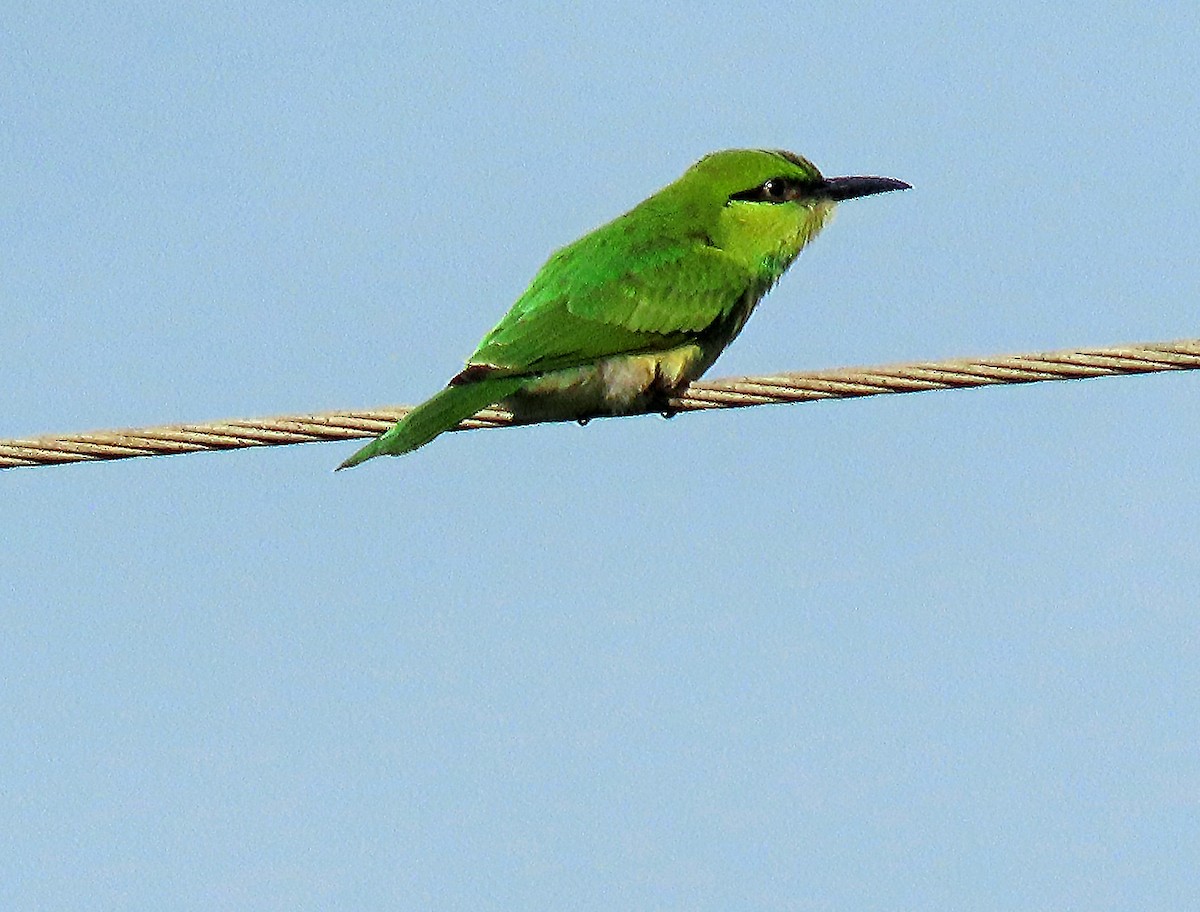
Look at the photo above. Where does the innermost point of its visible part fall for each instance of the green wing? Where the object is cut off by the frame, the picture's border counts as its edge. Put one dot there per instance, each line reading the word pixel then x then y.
pixel 589 302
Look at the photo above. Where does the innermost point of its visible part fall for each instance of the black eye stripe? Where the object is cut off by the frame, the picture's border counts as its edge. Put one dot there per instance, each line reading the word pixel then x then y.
pixel 772 190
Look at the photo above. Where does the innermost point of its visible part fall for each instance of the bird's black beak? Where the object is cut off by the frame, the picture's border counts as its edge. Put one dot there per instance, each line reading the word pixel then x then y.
pixel 844 188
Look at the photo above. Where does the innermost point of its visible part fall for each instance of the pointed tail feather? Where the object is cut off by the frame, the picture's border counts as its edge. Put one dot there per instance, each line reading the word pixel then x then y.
pixel 434 416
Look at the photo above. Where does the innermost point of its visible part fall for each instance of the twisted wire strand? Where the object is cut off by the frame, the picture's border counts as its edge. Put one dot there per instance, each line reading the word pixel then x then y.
pixel 732 392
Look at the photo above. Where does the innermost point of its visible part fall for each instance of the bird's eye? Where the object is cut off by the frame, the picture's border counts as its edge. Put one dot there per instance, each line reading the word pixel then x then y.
pixel 774 190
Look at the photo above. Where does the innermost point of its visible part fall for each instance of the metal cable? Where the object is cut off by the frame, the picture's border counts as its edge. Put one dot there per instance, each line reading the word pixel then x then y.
pixel 733 392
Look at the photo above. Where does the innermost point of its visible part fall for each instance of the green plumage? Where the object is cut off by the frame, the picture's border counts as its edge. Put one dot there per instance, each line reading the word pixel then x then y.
pixel 433 416
pixel 627 315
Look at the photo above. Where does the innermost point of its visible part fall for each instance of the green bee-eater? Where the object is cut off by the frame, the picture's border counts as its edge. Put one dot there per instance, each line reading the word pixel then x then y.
pixel 621 320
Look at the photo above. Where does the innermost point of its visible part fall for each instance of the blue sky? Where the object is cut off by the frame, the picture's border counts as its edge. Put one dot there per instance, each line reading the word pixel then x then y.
pixel 916 652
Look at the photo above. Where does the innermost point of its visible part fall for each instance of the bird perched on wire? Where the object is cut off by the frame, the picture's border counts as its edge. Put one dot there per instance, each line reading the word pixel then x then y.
pixel 624 318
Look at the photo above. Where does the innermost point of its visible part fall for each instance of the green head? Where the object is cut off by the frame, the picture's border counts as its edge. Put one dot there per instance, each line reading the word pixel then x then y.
pixel 763 206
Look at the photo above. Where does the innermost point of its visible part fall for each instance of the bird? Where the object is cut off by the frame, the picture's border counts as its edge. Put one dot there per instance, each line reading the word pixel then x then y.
pixel 624 318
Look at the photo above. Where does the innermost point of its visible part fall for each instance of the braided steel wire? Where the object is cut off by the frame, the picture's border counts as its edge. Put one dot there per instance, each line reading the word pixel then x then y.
pixel 732 392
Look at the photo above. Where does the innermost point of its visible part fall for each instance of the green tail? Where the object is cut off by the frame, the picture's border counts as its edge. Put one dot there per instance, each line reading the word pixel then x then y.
pixel 434 416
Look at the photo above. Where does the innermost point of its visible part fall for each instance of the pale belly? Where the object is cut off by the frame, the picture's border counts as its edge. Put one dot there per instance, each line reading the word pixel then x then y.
pixel 619 385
